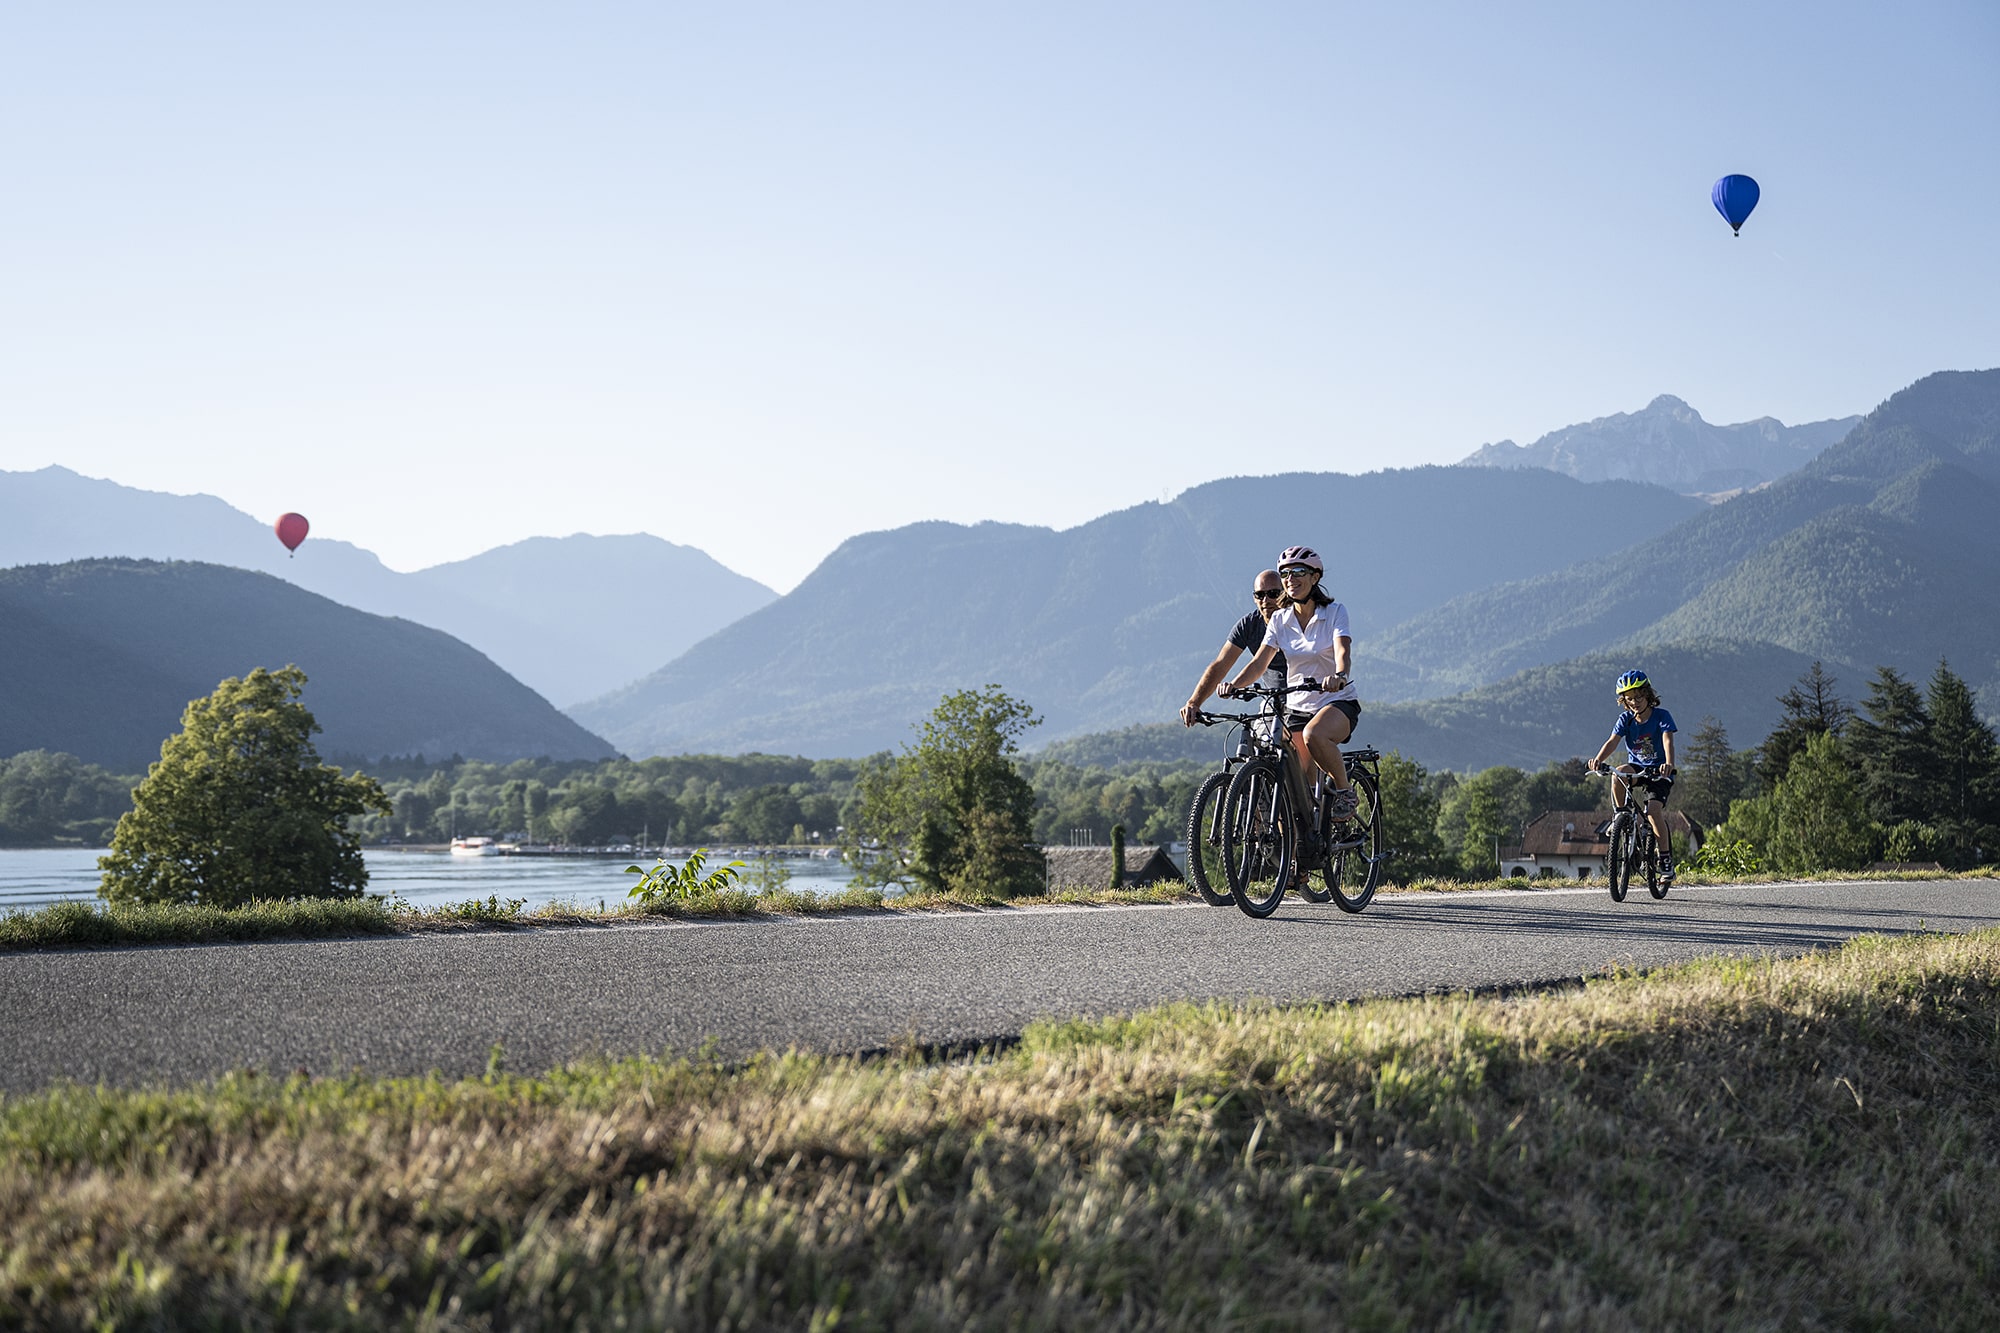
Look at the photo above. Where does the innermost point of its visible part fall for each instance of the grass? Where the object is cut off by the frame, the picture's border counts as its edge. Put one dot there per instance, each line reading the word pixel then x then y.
pixel 1802 1143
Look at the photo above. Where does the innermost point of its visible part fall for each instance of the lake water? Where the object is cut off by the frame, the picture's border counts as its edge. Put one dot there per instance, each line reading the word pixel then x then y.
pixel 37 878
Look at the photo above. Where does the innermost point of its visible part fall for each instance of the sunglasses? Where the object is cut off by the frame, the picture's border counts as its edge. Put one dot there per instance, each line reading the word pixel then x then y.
pixel 1298 572
pixel 1268 594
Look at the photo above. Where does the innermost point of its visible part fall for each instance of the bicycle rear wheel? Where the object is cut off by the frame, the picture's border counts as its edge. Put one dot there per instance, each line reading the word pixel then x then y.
pixel 1654 884
pixel 1204 841
pixel 1259 837
pixel 1353 864
pixel 1618 861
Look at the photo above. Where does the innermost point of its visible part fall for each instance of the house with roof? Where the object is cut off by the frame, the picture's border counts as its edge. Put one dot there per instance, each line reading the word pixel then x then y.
pixel 1573 843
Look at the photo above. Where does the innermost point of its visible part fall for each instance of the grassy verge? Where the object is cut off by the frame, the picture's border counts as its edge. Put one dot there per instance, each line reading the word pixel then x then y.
pixel 1802 1143
pixel 88 925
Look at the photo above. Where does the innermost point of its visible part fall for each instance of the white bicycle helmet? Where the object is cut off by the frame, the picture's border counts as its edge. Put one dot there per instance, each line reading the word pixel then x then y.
pixel 1301 555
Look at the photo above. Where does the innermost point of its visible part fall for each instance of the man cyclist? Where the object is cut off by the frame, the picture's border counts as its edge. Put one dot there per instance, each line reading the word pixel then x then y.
pixel 1247 636
pixel 1648 732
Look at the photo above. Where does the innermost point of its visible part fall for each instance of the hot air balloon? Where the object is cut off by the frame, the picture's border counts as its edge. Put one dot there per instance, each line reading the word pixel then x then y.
pixel 291 530
pixel 1734 197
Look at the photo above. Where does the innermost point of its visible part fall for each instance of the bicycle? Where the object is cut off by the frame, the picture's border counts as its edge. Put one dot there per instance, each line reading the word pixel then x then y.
pixel 1266 839
pixel 1204 818
pixel 1632 840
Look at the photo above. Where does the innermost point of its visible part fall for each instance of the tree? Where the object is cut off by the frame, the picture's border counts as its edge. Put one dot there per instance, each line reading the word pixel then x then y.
pixel 1410 820
pixel 240 808
pixel 1811 709
pixel 1891 743
pixel 1818 819
pixel 1711 774
pixel 952 812
pixel 1962 772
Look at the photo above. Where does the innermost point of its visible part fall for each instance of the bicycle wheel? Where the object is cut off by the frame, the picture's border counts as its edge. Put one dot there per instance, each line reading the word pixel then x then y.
pixel 1259 837
pixel 1204 841
pixel 1618 861
pixel 1354 848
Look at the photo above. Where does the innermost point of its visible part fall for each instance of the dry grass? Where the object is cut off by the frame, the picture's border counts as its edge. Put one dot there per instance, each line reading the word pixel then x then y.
pixel 1793 1144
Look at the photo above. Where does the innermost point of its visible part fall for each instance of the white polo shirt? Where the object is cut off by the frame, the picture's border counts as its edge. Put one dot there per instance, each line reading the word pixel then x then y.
pixel 1308 651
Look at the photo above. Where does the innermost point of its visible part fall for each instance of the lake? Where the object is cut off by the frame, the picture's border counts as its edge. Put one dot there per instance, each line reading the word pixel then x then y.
pixel 39 877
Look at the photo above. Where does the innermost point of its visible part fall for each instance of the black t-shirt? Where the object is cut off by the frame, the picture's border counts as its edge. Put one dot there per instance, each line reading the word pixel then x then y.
pixel 1249 636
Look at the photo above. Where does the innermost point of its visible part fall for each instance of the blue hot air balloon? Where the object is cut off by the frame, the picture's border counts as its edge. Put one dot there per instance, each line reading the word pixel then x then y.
pixel 1734 197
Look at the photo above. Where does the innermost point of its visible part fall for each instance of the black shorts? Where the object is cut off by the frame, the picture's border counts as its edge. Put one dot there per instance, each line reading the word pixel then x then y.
pixel 1352 707
pixel 1660 786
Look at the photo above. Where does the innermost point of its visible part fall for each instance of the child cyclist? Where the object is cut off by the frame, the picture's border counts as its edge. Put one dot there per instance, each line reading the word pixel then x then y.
pixel 1648 732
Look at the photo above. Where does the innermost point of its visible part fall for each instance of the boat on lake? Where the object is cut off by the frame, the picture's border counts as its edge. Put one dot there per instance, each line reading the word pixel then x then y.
pixel 475 847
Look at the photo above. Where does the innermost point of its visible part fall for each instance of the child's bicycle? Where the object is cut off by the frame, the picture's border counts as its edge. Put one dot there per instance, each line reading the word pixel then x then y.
pixel 1632 841
pixel 1278 827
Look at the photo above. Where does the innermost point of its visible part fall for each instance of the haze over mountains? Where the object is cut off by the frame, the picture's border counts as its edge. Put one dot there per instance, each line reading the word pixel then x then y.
pixel 1668 444
pixel 98 658
pixel 571 617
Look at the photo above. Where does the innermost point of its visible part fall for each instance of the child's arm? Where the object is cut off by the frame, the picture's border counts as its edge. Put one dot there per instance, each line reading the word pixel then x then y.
pixel 1610 744
pixel 1667 748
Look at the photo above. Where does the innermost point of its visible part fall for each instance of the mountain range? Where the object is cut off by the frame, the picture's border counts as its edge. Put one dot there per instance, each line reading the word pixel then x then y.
pixel 1668 444
pixel 98 658
pixel 572 617
pixel 1103 624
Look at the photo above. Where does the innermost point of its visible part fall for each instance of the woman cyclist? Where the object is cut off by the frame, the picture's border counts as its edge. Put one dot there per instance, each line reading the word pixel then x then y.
pixel 1648 732
pixel 1311 631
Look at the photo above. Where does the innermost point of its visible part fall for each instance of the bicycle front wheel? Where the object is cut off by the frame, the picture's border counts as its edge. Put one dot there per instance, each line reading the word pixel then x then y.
pixel 1354 848
pixel 1259 837
pixel 1618 861
pixel 1204 841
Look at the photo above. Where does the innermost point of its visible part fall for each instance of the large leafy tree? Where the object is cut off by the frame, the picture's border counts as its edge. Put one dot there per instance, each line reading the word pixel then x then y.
pixel 239 807
pixel 1410 821
pixel 952 812
pixel 1818 819
pixel 1811 708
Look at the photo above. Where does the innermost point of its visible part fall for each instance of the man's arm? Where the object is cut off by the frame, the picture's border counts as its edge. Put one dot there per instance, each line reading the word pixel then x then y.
pixel 1210 678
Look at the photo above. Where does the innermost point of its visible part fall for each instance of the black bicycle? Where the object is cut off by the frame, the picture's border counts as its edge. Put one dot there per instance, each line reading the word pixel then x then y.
pixel 1204 818
pixel 1278 825
pixel 1632 842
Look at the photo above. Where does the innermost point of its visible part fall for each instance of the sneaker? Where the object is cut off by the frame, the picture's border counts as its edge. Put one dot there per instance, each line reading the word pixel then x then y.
pixel 1343 803
pixel 1666 870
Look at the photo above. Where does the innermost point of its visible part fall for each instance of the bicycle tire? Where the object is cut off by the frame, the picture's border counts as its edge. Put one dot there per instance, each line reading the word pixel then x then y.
pixel 1259 837
pixel 1618 860
pixel 1205 868
pixel 1354 859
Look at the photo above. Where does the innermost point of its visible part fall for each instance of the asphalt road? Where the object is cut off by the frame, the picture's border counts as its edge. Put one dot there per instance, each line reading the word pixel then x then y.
pixel 441 1001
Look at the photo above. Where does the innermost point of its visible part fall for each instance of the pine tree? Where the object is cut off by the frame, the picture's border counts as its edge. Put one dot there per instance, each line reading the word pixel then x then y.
pixel 1963 772
pixel 1711 775
pixel 1890 742
pixel 1811 709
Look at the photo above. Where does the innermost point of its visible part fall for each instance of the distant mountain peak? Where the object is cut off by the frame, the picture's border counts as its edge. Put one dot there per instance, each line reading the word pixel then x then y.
pixel 1669 444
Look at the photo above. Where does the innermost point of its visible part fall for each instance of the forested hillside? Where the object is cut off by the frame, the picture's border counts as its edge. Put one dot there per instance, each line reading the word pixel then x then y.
pixel 1105 624
pixel 1881 550
pixel 98 658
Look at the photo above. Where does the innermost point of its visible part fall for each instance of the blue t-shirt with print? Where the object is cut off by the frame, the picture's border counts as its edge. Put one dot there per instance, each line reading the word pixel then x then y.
pixel 1642 739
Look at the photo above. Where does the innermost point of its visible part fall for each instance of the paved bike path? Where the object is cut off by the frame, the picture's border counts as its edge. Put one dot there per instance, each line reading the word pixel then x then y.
pixel 406 1005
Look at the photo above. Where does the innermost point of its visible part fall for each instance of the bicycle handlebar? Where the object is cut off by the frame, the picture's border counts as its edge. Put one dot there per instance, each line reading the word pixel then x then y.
pixel 1306 685
pixel 1212 719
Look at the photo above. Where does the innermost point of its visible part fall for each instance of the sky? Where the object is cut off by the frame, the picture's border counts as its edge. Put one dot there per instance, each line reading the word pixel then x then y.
pixel 758 277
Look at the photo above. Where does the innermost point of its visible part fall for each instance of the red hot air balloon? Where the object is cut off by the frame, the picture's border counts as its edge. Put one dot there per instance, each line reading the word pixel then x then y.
pixel 291 530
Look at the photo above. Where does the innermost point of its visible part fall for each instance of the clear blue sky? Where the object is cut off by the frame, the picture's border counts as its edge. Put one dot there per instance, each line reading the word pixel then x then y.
pixel 757 277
